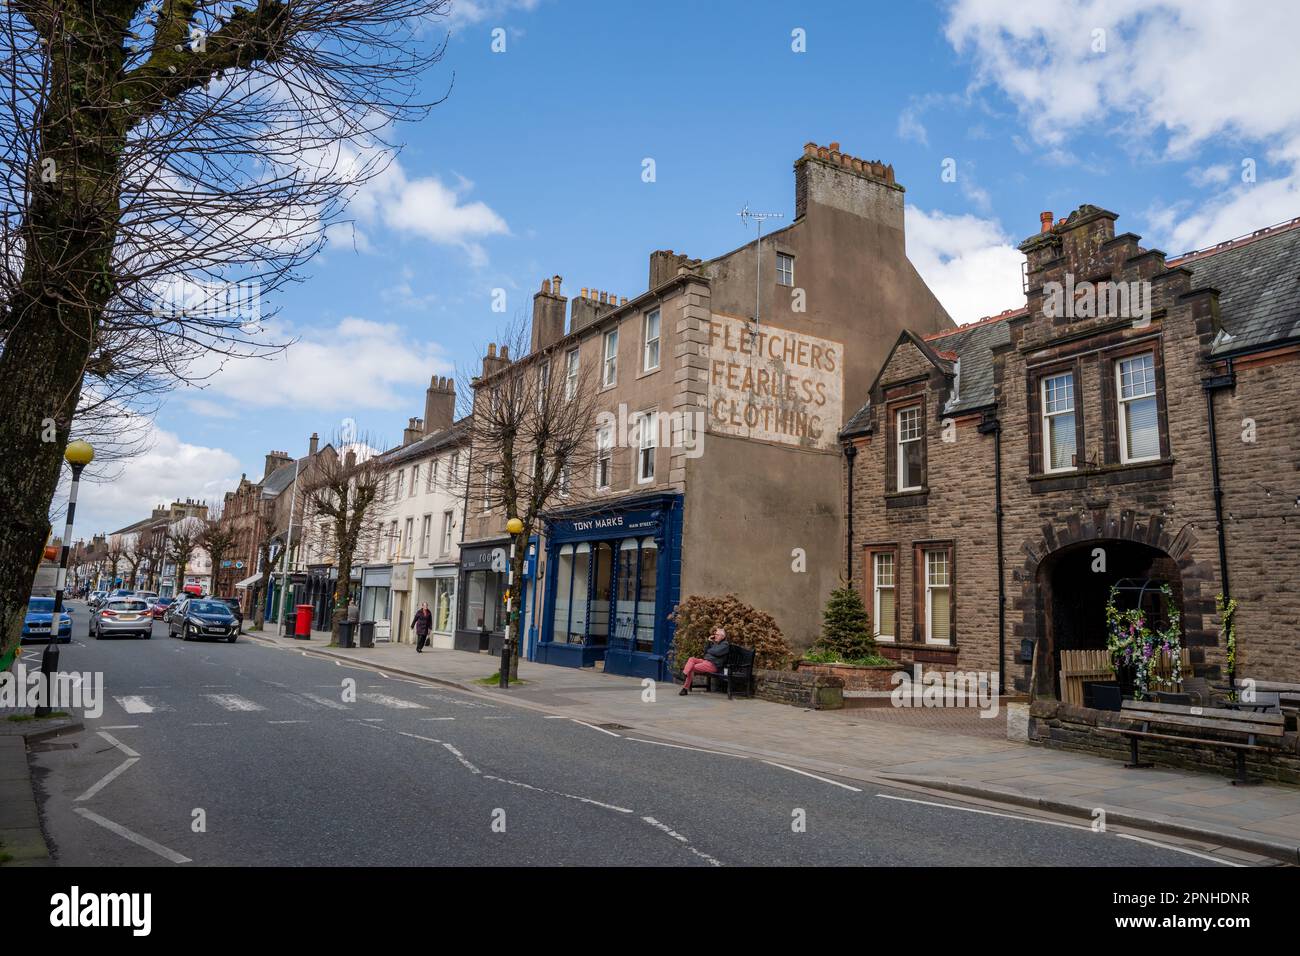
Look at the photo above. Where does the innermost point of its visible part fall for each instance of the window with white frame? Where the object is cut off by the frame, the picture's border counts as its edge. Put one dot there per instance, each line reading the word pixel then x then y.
pixel 938 597
pixel 426 529
pixel 489 478
pixel 570 374
pixel 604 456
pixel 432 480
pixel 543 383
pixel 784 269
pixel 392 539
pixel 883 588
pixel 609 375
pixel 408 537
pixel 415 480
pixel 400 486
pixel 647 443
pixel 448 522
pixel 1139 420
pixel 909 436
pixel 1057 397
pixel 651 351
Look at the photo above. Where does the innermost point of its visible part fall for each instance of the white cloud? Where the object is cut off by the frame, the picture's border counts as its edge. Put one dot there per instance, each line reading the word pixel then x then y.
pixel 468 12
pixel 170 468
pixel 969 263
pixel 431 209
pixel 352 365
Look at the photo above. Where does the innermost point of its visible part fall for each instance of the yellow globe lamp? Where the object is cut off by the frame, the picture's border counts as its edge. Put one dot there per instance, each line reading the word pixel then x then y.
pixel 515 526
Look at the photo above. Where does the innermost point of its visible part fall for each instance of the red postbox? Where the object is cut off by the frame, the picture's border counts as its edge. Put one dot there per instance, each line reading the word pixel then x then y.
pixel 302 625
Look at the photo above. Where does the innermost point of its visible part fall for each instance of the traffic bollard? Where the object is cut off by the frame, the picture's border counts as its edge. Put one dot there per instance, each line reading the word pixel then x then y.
pixel 49 666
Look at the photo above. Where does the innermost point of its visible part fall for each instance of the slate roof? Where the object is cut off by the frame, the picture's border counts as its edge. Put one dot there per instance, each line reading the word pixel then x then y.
pixel 282 477
pixel 1258 278
pixel 429 443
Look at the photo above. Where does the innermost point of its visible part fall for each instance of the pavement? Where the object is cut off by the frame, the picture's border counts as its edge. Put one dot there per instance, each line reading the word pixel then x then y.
pixel 954 751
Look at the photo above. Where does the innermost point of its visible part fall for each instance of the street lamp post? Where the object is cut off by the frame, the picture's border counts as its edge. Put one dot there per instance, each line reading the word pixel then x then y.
pixel 514 526
pixel 78 454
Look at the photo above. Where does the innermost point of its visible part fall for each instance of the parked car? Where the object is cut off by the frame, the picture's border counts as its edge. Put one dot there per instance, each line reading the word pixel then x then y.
pixel 147 596
pixel 119 616
pixel 40 616
pixel 159 607
pixel 235 607
pixel 204 618
pixel 96 598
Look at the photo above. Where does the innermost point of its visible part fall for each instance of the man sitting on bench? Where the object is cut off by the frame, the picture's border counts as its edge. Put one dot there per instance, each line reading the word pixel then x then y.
pixel 714 659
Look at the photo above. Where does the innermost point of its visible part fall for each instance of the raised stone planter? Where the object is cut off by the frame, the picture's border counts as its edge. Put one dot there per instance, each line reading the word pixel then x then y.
pixel 812 691
pixel 864 685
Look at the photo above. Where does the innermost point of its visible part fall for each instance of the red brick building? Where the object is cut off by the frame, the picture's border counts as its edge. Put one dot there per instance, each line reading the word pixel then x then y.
pixel 1003 475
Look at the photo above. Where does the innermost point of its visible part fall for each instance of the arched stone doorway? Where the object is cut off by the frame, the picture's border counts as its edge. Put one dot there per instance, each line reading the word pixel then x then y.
pixel 1063 599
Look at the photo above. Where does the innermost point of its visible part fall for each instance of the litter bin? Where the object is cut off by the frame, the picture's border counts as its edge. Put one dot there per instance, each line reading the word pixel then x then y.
pixel 345 633
pixel 367 633
pixel 302 623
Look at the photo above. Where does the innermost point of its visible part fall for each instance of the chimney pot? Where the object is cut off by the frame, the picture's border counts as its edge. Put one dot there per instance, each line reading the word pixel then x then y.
pixel 505 352
pixel 555 284
pixel 492 350
pixel 835 146
pixel 1045 221
pixel 546 286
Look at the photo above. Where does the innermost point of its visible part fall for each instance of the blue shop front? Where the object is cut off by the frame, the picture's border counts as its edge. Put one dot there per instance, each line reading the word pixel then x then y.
pixel 613 576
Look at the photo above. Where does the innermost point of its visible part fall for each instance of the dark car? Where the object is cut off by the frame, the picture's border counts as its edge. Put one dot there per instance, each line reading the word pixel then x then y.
pixel 204 618
pixel 159 608
pixel 234 605
pixel 173 611
pixel 40 617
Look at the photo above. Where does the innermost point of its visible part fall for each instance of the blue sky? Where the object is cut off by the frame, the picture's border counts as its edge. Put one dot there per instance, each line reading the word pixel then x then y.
pixel 533 166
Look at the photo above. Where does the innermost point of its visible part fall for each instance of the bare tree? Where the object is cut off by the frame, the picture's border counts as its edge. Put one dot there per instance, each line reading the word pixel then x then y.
pixel 167 165
pixel 152 554
pixel 182 542
pixel 216 536
pixel 133 557
pixel 532 440
pixel 352 491
pixel 114 554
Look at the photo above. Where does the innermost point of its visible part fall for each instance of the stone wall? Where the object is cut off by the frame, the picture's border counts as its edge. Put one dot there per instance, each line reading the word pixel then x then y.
pixel 1066 727
pixel 812 691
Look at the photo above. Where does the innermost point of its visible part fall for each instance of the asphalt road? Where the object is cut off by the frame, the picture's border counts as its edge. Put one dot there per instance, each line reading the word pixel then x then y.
pixel 246 754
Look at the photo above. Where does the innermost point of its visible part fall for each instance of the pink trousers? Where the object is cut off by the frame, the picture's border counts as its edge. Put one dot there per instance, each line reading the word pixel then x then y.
pixel 697 664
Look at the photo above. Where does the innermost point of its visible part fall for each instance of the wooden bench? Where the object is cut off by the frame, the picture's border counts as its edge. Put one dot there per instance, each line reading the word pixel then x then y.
pixel 738 668
pixel 1240 731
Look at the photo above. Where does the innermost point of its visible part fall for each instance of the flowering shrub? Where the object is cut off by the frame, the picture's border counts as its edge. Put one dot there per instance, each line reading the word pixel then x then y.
pixel 1132 644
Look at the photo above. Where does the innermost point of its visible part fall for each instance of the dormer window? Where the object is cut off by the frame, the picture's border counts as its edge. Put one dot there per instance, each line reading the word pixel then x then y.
pixel 910 435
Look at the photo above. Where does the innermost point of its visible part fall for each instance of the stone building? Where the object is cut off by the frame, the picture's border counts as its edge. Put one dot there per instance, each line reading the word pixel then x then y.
pixel 1097 423
pixel 723 387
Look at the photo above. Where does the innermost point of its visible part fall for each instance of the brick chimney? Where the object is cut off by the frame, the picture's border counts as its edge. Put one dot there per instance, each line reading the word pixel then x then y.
pixel 414 429
pixel 548 315
pixel 824 176
pixel 274 460
pixel 439 404
pixel 313 444
pixel 492 363
pixel 589 306
pixel 665 264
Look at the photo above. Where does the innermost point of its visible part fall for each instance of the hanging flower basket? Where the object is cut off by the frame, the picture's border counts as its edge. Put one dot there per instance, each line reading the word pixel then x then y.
pixel 1137 650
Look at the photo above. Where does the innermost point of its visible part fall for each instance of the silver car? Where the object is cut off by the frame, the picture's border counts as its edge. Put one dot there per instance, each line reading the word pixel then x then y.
pixel 123 616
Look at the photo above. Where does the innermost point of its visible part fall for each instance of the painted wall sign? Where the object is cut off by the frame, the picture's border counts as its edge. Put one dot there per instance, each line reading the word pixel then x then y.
pixel 773 384
pixel 629 522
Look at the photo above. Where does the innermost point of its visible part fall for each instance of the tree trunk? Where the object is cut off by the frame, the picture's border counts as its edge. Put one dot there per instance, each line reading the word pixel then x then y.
pixel 40 381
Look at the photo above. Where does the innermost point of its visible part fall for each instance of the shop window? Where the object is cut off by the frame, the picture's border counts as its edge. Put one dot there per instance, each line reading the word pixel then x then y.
pixel 602 594
pixel 563 596
pixel 444 591
pixel 625 606
pixel 581 574
pixel 472 610
pixel 645 608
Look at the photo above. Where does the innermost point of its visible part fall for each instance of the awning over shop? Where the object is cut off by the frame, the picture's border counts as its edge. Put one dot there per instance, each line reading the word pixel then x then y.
pixel 242 585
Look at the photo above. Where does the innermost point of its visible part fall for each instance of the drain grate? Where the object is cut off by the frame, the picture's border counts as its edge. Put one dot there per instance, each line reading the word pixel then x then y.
pixel 613 727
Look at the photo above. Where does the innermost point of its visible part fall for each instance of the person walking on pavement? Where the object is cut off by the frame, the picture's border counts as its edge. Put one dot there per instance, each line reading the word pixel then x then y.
pixel 714 659
pixel 422 621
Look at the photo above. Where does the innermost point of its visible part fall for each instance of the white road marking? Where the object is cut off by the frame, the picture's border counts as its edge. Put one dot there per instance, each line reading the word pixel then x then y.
pixel 594 727
pixel 988 813
pixel 123 727
pixel 118 744
pixel 109 777
pixel 287 721
pixel 461 757
pixel 437 718
pixel 134 837
pixel 555 717
pixel 1178 849
pixel 557 793
pixel 233 702
pixel 396 703
pixel 431 740
pixel 813 775
pixel 660 743
pixel 677 836
pixel 221 724
pixel 497 717
pixel 319 700
pixel 134 704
